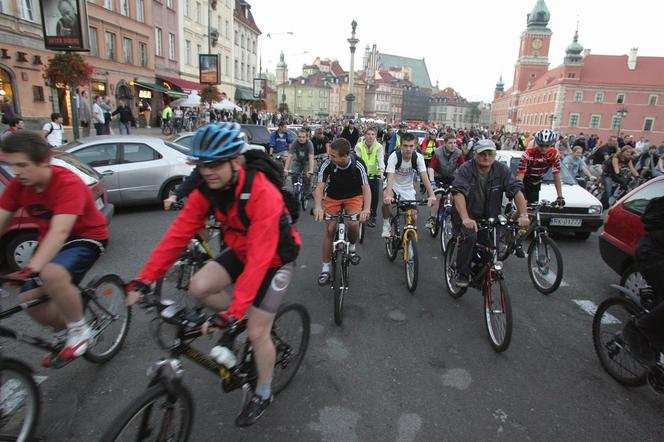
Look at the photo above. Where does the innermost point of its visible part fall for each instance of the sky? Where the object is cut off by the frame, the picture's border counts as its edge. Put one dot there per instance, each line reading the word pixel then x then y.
pixel 466 44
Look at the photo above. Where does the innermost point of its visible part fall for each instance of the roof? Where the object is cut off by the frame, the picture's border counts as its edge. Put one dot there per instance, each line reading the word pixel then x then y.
pixel 336 69
pixel 417 66
pixel 249 19
pixel 612 69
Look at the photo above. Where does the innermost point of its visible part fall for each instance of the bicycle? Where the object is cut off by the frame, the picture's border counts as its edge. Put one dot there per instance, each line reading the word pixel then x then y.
pixel 104 307
pixel 611 347
pixel 486 276
pixel 165 410
pixel 341 261
pixel 443 221
pixel 406 240
pixel 167 127
pixel 298 185
pixel 545 262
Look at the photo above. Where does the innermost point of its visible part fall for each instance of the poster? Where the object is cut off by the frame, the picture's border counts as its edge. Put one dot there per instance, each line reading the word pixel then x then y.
pixel 208 68
pixel 65 25
pixel 260 88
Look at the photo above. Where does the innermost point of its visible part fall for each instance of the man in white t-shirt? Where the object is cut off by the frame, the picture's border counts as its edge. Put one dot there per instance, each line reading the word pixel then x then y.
pixel 400 178
pixel 53 131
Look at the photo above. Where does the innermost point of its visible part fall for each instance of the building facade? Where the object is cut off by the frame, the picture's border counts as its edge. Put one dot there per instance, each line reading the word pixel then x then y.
pixel 308 96
pixel 245 53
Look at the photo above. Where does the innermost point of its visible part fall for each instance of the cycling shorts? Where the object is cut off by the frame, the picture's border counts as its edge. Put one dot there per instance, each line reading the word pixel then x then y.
pixel 273 288
pixel 352 205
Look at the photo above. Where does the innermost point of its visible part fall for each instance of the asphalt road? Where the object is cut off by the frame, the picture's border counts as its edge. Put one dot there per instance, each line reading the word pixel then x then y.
pixel 403 367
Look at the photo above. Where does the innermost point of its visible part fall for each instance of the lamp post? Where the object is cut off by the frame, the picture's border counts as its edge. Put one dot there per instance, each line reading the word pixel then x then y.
pixel 621 113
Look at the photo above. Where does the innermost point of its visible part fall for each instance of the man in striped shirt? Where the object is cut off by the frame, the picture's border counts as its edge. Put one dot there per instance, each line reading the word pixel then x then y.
pixel 536 162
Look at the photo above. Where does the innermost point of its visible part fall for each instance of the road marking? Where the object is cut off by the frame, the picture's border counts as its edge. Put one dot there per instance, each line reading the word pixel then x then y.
pixel 456 378
pixel 336 424
pixel 590 308
pixel 409 425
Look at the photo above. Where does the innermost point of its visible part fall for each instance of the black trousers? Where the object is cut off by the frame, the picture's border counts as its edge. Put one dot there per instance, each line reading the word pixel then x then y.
pixel 466 246
pixel 531 192
pixel 374 184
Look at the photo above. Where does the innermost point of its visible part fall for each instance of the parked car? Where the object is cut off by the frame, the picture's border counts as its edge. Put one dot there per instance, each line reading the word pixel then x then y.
pixel 136 169
pixel 19 239
pixel 623 230
pixel 420 134
pixel 256 135
pixel 186 139
pixel 582 213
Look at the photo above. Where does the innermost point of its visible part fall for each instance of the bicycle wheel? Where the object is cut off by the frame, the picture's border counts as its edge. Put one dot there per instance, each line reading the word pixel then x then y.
pixel 433 230
pixel 497 313
pixel 505 240
pixel 361 233
pixel 290 334
pixel 174 286
pixel 158 414
pixel 616 359
pixel 450 270
pixel 338 286
pixel 445 231
pixel 19 401
pixel 108 316
pixel 545 264
pixel 411 262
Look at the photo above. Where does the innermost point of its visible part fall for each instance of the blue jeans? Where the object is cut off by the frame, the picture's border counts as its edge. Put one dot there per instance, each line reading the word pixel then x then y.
pixel 124 128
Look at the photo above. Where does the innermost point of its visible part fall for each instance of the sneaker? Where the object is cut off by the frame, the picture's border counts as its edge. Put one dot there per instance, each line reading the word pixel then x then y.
pixel 429 223
pixel 253 410
pixel 518 251
pixel 638 344
pixel 461 281
pixel 52 360
pixel 387 229
pixel 78 340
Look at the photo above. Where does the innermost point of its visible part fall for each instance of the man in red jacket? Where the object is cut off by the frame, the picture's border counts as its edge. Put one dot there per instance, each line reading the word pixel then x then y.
pixel 260 253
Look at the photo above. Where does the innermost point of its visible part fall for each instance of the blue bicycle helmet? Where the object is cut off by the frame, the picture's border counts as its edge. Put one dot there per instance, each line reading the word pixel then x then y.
pixel 218 141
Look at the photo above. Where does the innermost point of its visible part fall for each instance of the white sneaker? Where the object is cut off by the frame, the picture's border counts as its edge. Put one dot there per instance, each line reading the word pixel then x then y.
pixel 387 229
pixel 78 340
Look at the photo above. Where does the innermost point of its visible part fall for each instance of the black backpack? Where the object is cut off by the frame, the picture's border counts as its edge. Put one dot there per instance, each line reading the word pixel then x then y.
pixel 413 160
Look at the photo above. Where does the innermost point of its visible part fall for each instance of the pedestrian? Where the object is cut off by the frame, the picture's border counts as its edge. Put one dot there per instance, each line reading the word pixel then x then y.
pixel 54 130
pixel 351 133
pixel 106 107
pixel 15 124
pixel 126 117
pixel 7 110
pixel 84 113
pixel 254 117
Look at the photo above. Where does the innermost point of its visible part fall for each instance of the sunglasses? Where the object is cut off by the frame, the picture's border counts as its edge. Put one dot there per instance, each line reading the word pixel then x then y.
pixel 488 153
pixel 207 164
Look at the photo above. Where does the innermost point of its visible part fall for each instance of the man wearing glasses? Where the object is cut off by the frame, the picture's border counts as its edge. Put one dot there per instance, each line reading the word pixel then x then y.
pixel 478 194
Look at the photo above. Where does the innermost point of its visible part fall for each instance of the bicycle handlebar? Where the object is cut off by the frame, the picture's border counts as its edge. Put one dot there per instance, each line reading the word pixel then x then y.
pixel 443 190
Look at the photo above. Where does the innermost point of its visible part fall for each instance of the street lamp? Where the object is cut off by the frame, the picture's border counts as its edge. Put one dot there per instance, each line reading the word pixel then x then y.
pixel 621 113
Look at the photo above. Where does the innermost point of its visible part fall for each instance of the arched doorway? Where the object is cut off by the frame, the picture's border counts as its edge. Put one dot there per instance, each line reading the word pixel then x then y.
pixel 124 92
pixel 7 89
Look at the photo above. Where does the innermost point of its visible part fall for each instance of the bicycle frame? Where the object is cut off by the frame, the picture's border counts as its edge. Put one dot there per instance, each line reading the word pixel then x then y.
pixel 34 341
pixel 493 270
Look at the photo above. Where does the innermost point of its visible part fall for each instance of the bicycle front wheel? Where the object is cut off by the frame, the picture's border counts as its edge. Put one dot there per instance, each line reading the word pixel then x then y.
pixel 450 267
pixel 445 231
pixel 108 317
pixel 497 314
pixel 411 262
pixel 290 334
pixel 19 401
pixel 338 286
pixel 610 346
pixel 545 264
pixel 505 239
pixel 156 415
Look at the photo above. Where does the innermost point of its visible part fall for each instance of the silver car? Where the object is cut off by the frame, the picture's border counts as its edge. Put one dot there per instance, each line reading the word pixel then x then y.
pixel 136 169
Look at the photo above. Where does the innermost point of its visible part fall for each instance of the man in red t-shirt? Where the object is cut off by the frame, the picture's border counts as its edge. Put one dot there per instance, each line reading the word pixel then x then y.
pixel 536 162
pixel 72 235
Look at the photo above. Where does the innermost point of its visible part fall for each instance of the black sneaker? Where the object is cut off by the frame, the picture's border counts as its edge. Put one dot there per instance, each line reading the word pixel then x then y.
pixel 518 251
pixel 253 411
pixel 638 344
pixel 461 281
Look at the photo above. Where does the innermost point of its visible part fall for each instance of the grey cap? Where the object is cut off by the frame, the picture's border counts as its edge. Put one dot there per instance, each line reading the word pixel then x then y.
pixel 483 145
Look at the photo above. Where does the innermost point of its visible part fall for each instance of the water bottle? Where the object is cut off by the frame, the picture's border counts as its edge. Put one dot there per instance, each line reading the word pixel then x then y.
pixel 223 355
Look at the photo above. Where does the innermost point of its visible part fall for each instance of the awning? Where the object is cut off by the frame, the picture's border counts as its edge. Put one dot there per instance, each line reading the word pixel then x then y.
pixel 245 94
pixel 185 85
pixel 160 88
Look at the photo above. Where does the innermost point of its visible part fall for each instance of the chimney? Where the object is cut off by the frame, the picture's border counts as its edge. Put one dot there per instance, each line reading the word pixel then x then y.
pixel 631 59
pixel 586 52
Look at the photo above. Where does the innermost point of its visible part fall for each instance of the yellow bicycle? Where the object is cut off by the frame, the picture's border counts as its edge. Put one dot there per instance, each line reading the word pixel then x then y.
pixel 405 240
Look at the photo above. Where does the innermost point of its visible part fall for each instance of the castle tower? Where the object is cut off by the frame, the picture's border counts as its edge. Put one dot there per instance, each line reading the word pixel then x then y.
pixel 533 59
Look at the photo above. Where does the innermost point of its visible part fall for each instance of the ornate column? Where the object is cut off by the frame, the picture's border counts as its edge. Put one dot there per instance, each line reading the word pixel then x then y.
pixel 350 98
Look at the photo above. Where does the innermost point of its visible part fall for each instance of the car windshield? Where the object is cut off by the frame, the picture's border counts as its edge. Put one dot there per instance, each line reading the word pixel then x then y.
pixel 67 146
pixel 185 141
pixel 565 176
pixel 71 162
pixel 179 147
pixel 419 133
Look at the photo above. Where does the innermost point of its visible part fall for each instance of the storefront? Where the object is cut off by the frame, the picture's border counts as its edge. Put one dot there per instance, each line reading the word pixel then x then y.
pixel 7 87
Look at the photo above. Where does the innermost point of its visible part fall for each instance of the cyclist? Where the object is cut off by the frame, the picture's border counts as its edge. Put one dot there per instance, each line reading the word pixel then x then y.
pixel 429 144
pixel 616 171
pixel 178 115
pixel 442 169
pixel 321 143
pixel 478 194
pixel 576 164
pixel 301 157
pixel 536 162
pixel 344 183
pixel 166 115
pixel 371 152
pixel 259 259
pixel 403 166
pixel 72 235
pixel 280 141
pixel 395 140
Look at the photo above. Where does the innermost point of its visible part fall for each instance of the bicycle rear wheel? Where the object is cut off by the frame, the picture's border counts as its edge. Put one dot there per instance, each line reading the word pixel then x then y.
pixel 174 286
pixel 610 346
pixel 19 401
pixel 411 261
pixel 108 317
pixel 497 314
pixel 156 415
pixel 450 270
pixel 545 264
pixel 338 286
pixel 290 334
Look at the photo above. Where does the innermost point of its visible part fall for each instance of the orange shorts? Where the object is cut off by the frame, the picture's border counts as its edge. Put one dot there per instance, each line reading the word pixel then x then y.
pixel 352 205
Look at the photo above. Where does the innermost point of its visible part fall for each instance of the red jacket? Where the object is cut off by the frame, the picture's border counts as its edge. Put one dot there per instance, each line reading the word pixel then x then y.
pixel 256 247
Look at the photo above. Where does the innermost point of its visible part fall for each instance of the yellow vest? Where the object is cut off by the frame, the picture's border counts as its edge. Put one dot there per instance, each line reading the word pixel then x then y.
pixel 370 159
pixel 431 146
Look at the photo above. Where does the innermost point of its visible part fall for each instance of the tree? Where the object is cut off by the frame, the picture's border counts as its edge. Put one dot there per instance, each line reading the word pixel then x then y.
pixel 70 69
pixel 475 114
pixel 210 94
pixel 283 108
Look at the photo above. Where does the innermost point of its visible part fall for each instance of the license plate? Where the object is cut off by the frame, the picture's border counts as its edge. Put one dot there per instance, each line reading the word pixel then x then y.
pixel 99 203
pixel 566 222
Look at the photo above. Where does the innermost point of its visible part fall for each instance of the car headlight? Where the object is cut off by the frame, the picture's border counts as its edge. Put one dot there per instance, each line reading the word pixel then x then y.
pixel 595 210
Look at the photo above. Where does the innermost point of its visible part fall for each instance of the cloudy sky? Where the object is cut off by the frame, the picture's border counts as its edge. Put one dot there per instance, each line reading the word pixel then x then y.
pixel 467 44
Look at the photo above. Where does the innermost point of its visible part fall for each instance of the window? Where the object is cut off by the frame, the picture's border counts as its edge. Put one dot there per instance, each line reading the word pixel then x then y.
pixel 187 52
pixel 228 31
pixel 124 7
pixel 227 66
pixel 108 4
pixel 599 97
pixel 28 10
pixel 38 94
pixel 578 96
pixel 140 10
pixel 254 46
pixel 127 50
pixel 620 98
pixel 171 46
pixel 237 70
pixel 637 203
pixel 248 73
pixel 198 53
pixel 615 122
pixel 99 155
pixel 311 92
pixel 236 38
pixel 110 46
pixel 157 42
pixel 136 153
pixel 574 120
pixel 253 72
pixel 198 13
pixel 648 124
pixel 142 55
pixel 594 121
pixel 187 5
pixel 169 4
pixel 242 71
pixel 652 101
pixel 94 46
pixel 242 41
pixel 299 92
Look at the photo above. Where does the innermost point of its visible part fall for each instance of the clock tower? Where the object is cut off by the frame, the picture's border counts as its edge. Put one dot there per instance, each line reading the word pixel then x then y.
pixel 533 59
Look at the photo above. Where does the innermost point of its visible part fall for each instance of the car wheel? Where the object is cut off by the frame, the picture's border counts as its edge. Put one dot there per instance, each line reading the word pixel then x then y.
pixel 582 235
pixel 19 249
pixel 633 280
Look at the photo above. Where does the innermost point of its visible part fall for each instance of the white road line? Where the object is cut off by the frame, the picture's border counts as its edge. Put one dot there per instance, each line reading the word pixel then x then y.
pixel 590 308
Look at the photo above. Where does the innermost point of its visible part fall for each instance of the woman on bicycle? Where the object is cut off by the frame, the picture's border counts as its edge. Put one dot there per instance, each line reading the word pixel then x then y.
pixel 616 172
